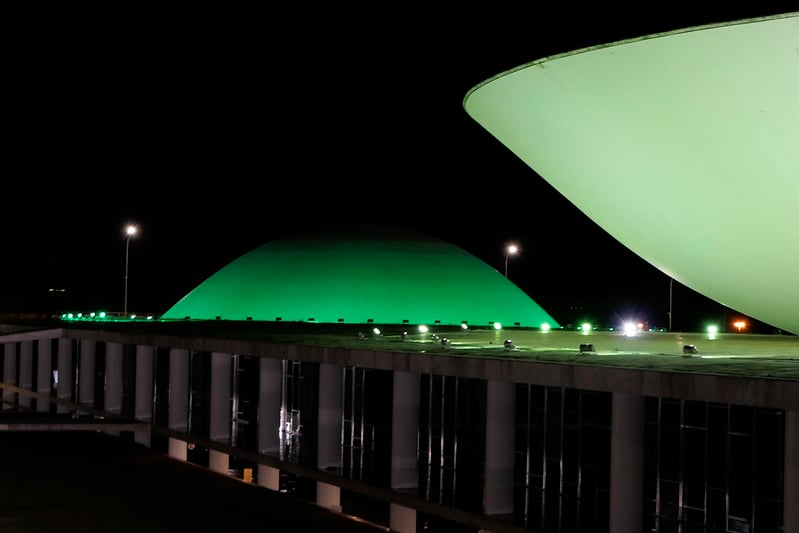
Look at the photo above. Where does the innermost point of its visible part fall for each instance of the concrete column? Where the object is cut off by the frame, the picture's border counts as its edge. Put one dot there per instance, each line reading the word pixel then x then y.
pixel 86 373
pixel 329 440
pixel 26 372
pixel 44 376
pixel 219 462
pixel 403 519
pixel 626 462
pixel 113 378
pixel 10 374
pixel 178 450
pixel 64 362
pixel 790 496
pixel 328 496
pixel 145 385
pixel 405 430
pixel 221 406
pixel 178 417
pixel 404 446
pixel 500 421
pixel 268 477
pixel 270 385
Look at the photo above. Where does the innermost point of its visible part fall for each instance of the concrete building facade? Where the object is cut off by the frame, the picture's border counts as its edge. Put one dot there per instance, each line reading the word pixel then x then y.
pixel 413 434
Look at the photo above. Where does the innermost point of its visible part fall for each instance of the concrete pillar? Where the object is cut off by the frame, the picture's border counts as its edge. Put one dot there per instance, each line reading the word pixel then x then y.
pixel 221 405
pixel 404 447
pixel 500 422
pixel 219 462
pixel 26 372
pixel 65 382
pixel 44 376
pixel 268 477
pixel 790 495
pixel 403 519
pixel 329 439
pixel 86 373
pixel 404 430
pixel 112 393
pixel 177 449
pixel 178 417
pixel 328 496
pixel 270 384
pixel 626 462
pixel 112 396
pixel 145 385
pixel 10 374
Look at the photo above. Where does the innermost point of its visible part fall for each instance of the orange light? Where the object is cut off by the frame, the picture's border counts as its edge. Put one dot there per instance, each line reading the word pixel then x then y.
pixel 739 325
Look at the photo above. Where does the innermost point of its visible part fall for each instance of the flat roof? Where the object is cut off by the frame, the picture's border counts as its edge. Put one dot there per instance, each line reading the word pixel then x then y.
pixel 738 354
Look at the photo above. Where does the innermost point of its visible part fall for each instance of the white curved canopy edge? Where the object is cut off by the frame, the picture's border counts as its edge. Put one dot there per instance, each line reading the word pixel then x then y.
pixel 684 146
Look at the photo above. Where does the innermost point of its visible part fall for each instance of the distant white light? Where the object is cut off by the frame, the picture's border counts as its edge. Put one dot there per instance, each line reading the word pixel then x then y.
pixel 545 327
pixel 422 328
pixel 630 329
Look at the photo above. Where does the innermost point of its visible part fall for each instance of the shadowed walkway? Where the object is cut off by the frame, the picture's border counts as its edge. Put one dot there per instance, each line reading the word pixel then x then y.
pixel 77 481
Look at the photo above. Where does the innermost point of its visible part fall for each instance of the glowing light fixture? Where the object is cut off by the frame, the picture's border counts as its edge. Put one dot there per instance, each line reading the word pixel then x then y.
pixel 510 250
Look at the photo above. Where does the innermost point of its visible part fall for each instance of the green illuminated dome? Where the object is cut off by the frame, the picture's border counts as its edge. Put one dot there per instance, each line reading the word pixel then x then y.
pixel 387 277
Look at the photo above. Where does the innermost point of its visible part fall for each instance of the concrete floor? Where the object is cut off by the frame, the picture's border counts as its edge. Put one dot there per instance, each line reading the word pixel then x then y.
pixel 76 481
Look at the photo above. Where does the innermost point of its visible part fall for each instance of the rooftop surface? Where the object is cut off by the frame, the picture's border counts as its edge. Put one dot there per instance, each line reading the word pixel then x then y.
pixel 740 354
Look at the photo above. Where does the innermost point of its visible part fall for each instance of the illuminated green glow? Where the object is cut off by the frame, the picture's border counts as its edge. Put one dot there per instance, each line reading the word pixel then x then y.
pixel 684 146
pixel 356 278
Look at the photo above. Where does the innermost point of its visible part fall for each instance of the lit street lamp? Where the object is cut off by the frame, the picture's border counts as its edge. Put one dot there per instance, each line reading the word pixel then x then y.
pixel 510 250
pixel 130 231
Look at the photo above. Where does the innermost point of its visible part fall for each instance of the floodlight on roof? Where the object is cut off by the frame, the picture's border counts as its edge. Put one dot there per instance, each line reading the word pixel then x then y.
pixel 587 347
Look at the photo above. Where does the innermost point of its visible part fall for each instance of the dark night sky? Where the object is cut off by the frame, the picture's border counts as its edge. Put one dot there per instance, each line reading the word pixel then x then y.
pixel 219 131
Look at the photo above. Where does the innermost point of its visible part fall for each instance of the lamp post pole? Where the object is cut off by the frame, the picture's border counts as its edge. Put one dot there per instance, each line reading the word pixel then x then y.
pixel 671 283
pixel 130 231
pixel 509 251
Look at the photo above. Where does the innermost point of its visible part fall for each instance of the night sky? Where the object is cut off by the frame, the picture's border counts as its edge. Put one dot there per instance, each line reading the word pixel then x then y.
pixel 219 131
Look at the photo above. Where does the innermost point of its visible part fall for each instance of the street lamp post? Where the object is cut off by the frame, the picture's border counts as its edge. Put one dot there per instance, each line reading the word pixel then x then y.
pixel 671 283
pixel 130 231
pixel 510 250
